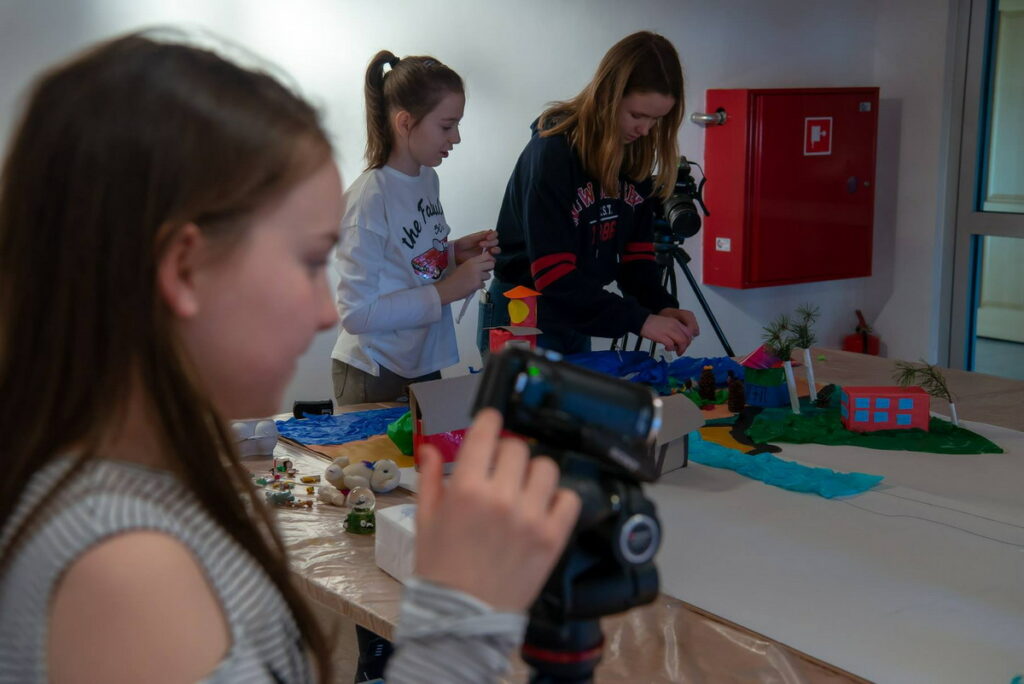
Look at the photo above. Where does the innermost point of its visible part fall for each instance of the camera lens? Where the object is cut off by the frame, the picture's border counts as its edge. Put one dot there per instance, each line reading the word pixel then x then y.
pixel 682 216
pixel 639 539
pixel 680 209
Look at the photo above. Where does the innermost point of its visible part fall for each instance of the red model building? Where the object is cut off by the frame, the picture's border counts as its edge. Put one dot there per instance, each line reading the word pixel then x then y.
pixel 867 409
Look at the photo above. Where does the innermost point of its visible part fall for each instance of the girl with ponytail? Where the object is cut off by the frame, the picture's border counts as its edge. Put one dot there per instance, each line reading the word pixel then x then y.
pixel 399 271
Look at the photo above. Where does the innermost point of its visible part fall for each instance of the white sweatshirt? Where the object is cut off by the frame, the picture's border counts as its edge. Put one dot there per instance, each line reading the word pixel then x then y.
pixel 393 248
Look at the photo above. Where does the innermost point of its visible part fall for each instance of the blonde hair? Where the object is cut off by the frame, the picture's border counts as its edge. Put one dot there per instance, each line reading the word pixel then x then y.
pixel 414 84
pixel 643 62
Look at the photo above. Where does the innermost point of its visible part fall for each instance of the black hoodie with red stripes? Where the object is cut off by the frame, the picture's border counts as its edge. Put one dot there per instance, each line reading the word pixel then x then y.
pixel 561 235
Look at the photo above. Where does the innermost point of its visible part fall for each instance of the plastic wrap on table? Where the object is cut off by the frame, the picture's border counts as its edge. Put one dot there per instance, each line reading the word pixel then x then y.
pixel 332 567
pixel 667 641
pixel 672 642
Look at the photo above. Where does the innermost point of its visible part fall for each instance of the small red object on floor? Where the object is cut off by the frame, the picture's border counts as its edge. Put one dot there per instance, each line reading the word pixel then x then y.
pixel 862 341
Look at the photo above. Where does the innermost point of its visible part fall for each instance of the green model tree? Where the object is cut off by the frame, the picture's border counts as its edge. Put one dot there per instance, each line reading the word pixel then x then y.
pixel 781 341
pixel 929 378
pixel 803 330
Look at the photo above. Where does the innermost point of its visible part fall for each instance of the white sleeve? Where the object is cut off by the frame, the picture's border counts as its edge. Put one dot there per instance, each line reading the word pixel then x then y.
pixel 361 307
pixel 444 635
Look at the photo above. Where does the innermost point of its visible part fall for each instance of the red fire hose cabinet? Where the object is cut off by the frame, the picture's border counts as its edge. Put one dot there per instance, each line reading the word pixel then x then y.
pixel 791 185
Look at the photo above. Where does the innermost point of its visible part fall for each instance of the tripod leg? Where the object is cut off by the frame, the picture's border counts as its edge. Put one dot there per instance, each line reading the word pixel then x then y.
pixel 668 281
pixel 703 303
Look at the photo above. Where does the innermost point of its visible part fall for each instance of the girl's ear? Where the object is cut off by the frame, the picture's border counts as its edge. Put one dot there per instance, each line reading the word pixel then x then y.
pixel 176 271
pixel 402 122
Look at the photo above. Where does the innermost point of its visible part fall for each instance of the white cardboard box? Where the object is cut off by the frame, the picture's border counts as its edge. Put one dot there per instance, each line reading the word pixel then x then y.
pixel 395 540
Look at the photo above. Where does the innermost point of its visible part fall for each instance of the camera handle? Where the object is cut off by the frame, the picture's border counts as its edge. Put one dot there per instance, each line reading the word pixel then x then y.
pixel 698 196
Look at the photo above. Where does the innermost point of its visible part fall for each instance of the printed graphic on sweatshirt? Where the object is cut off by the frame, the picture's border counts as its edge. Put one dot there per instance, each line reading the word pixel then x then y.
pixel 602 228
pixel 429 264
pixel 432 263
pixel 586 197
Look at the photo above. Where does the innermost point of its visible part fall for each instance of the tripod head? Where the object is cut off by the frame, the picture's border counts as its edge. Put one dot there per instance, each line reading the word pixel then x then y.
pixel 668 250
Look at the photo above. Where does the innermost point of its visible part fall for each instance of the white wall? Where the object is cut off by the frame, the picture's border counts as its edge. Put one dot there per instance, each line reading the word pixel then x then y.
pixel 912 47
pixel 516 56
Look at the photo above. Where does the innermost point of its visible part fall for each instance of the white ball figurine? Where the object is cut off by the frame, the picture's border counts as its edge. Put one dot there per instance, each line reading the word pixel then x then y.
pixel 361 498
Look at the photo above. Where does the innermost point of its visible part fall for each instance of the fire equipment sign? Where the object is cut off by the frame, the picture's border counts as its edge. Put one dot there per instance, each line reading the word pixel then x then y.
pixel 817 136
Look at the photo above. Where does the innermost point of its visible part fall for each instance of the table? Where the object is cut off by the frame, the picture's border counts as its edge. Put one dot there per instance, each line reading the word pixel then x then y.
pixel 682 643
pixel 920 579
pixel 722 553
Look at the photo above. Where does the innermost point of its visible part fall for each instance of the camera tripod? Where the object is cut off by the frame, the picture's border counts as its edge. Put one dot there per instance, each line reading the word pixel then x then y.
pixel 607 568
pixel 667 253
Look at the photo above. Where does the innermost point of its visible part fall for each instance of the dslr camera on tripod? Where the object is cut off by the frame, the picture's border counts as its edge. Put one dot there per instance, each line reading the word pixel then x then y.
pixel 600 430
pixel 676 218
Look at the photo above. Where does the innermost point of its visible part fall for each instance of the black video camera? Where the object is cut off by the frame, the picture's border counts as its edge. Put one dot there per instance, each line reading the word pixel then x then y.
pixel 600 430
pixel 678 218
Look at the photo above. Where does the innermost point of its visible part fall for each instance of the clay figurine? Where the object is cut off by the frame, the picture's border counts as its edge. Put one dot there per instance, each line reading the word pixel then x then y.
pixel 737 394
pixel 706 385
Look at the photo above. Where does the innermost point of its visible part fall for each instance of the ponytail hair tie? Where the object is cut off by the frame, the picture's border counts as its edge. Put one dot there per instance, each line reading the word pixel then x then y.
pixel 390 65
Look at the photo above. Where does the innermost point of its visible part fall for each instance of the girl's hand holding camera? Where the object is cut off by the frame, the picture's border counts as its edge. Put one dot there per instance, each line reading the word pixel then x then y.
pixel 497 529
pixel 468 277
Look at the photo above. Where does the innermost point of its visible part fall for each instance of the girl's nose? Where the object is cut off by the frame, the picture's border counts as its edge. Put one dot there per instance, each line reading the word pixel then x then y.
pixel 328 313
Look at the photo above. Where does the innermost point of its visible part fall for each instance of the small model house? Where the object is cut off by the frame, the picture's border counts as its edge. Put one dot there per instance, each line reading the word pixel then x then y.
pixel 867 409
pixel 522 315
pixel 764 379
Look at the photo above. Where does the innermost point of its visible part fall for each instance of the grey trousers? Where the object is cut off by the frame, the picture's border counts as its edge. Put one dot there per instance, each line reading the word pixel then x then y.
pixel 353 386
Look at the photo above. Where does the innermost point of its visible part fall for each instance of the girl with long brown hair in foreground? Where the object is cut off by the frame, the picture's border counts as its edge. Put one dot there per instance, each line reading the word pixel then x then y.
pixel 166 217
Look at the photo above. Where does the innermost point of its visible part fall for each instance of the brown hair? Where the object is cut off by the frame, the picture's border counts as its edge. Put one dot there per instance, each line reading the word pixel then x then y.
pixel 414 84
pixel 115 151
pixel 643 62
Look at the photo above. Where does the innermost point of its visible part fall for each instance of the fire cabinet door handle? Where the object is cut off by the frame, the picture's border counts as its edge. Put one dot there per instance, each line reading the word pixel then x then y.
pixel 714 119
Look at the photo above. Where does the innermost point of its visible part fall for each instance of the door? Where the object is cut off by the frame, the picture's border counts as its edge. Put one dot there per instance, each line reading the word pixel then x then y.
pixel 987 319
